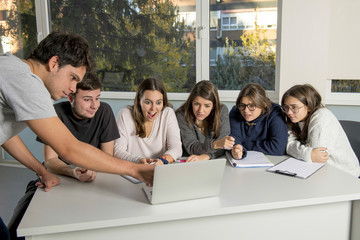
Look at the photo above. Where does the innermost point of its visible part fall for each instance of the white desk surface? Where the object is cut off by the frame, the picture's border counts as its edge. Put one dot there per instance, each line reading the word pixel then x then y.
pixel 112 201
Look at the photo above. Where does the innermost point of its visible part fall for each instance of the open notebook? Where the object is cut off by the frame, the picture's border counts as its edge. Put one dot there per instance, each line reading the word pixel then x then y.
pixel 252 159
pixel 184 181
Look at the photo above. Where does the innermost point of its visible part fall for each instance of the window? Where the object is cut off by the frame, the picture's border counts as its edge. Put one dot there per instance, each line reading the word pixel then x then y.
pixel 229 23
pixel 134 40
pixel 17 27
pixel 245 44
pixel 343 91
pixel 177 41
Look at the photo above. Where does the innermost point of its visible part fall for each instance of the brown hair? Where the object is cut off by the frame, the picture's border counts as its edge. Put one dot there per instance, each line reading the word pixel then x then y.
pixel 308 95
pixel 147 84
pixel 257 94
pixel 208 91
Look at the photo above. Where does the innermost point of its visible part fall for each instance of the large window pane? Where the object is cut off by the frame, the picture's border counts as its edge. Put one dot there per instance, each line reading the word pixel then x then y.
pixel 242 43
pixel 134 39
pixel 17 27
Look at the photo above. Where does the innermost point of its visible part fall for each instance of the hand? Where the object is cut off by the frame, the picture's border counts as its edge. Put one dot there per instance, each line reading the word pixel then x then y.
pixel 194 158
pixel 145 173
pixel 47 181
pixel 237 152
pixel 319 155
pixel 151 161
pixel 226 142
pixel 146 161
pixel 84 175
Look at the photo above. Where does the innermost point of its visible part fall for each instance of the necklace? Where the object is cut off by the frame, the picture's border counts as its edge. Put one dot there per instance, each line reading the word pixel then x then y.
pixel 200 125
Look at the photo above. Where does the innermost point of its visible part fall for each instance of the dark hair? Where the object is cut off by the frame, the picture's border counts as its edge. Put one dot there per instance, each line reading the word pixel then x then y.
pixel 208 91
pixel 71 49
pixel 257 94
pixel 308 95
pixel 89 82
pixel 147 84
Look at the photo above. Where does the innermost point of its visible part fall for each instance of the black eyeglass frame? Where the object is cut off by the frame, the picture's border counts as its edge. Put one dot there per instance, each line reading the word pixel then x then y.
pixel 242 106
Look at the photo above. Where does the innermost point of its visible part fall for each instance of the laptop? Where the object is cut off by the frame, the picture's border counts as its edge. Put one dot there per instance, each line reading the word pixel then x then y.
pixel 185 181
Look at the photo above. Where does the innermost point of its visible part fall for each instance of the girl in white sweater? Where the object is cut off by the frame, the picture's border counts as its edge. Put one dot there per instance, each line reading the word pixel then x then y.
pixel 314 132
pixel 149 131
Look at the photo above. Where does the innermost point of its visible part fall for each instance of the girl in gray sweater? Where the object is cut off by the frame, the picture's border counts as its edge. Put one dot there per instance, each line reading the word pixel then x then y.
pixel 204 124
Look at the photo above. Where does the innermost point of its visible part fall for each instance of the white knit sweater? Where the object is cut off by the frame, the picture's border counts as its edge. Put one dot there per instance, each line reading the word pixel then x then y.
pixel 325 131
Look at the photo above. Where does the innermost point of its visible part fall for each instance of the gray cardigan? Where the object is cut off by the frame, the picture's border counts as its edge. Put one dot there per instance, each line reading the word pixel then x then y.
pixel 194 142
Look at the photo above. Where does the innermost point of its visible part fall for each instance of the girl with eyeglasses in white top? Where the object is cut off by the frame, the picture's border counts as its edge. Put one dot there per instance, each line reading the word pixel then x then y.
pixel 314 132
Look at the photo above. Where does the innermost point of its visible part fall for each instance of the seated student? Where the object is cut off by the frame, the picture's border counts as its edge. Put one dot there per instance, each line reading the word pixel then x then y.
pixel 204 124
pixel 90 121
pixel 257 124
pixel 314 132
pixel 148 129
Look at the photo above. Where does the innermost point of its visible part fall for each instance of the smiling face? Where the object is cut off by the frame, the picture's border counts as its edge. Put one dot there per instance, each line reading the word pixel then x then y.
pixel 201 108
pixel 151 104
pixel 85 103
pixel 246 113
pixel 295 109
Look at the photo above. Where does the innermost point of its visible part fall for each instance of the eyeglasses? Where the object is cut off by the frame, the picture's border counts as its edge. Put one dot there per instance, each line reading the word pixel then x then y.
pixel 251 107
pixel 294 109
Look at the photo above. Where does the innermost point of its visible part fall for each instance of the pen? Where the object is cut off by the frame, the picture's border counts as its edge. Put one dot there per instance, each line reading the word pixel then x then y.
pixel 228 148
pixel 286 173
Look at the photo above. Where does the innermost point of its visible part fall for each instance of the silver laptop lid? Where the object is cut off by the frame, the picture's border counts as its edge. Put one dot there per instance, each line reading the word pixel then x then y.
pixel 184 181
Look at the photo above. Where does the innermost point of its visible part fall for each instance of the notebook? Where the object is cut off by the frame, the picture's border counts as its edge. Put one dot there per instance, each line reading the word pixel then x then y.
pixel 252 159
pixel 185 181
pixel 296 168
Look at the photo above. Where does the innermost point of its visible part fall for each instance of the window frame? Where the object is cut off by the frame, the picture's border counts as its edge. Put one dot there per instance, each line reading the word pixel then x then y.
pixel 202 52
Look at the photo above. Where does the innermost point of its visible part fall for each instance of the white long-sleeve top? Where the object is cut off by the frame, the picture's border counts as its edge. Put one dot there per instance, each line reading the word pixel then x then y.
pixel 163 139
pixel 325 131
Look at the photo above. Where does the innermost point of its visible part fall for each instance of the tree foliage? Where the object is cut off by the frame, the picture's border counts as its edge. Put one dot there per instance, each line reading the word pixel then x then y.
pixel 130 40
pixel 253 62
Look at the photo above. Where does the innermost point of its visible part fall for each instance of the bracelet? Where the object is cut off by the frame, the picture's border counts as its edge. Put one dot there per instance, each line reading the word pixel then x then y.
pixel 163 159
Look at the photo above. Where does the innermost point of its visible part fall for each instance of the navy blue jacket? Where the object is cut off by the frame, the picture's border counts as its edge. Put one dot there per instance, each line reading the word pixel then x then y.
pixel 269 135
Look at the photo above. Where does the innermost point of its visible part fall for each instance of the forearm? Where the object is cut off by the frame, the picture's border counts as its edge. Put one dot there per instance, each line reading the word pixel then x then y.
pixel 298 150
pixel 86 156
pixel 17 149
pixel 54 133
pixel 57 166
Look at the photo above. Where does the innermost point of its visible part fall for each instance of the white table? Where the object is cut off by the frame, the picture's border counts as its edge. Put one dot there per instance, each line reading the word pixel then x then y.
pixel 253 204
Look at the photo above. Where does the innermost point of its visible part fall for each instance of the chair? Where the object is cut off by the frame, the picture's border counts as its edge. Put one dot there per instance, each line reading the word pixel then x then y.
pixel 352 130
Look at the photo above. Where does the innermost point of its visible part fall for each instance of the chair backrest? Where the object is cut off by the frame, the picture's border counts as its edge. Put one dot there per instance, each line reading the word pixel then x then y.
pixel 352 130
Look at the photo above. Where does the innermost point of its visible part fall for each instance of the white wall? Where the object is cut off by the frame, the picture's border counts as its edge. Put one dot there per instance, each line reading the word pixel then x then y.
pixel 304 41
pixel 319 40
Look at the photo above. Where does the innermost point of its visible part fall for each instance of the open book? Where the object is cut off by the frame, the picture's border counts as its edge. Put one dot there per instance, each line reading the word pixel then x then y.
pixel 252 159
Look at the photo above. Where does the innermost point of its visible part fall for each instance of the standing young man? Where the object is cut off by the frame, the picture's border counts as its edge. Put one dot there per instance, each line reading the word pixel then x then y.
pixel 53 69
pixel 90 121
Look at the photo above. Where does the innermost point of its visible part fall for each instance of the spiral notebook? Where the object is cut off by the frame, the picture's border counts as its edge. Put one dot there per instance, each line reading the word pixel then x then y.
pixel 296 168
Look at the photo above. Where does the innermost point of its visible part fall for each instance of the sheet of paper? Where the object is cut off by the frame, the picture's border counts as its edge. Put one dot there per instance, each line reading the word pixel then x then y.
pixel 295 167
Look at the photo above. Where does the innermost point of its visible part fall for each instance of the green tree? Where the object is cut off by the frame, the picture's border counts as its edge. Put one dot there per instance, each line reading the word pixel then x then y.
pixel 130 40
pixel 253 62
pixel 20 27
